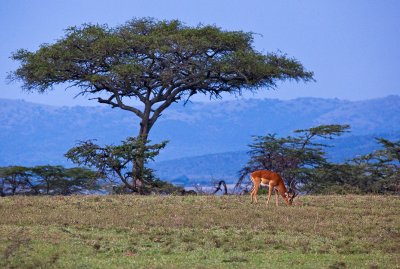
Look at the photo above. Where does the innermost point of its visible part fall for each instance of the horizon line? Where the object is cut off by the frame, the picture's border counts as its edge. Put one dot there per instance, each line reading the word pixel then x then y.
pixel 240 98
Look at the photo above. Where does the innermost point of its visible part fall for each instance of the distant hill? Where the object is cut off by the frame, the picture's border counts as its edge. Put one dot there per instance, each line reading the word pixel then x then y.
pixel 32 134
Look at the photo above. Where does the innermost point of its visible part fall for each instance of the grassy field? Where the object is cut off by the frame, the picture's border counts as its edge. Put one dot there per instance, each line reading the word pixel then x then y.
pixel 199 232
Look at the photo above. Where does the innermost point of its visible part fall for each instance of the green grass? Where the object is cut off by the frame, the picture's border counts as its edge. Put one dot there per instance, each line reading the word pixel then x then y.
pixel 199 232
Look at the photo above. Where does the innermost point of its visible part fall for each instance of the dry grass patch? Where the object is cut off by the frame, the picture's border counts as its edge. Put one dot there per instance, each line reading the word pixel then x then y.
pixel 199 232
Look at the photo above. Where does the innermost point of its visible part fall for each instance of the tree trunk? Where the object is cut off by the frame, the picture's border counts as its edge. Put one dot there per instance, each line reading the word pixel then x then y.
pixel 138 168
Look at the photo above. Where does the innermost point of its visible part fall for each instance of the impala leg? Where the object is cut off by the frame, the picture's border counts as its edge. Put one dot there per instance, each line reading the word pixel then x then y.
pixel 269 193
pixel 276 197
pixel 254 193
pixel 251 192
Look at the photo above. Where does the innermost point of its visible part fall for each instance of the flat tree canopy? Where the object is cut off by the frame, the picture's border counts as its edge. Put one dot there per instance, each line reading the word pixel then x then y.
pixel 156 62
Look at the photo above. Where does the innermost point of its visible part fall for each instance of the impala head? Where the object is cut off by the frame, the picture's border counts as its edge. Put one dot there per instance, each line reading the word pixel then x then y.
pixel 290 195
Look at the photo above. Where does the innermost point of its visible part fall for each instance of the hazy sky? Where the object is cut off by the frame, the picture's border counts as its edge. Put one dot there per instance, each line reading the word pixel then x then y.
pixel 352 46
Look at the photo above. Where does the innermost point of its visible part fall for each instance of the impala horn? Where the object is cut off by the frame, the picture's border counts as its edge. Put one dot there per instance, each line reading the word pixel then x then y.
pixel 292 188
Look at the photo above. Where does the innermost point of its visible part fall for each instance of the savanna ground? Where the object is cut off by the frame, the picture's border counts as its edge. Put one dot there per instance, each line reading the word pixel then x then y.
pixel 199 232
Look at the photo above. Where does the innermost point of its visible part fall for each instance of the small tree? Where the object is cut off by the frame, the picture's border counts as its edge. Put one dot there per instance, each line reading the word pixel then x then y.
pixel 334 178
pixel 380 170
pixel 47 177
pixel 14 180
pixel 76 180
pixel 376 172
pixel 115 161
pixel 155 62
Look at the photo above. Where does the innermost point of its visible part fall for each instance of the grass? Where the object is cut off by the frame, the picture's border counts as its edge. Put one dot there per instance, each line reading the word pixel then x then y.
pixel 199 232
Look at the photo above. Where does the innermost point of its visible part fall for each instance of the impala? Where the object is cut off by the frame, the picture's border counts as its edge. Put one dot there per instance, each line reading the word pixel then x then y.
pixel 275 182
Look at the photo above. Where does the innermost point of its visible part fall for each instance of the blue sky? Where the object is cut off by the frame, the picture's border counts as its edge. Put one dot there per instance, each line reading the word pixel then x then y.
pixel 353 47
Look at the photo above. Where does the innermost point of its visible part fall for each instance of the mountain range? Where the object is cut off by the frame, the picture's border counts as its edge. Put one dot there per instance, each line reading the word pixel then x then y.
pixel 208 140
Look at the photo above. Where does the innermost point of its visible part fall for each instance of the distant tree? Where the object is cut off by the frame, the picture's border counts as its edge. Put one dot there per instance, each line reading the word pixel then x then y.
pixel 114 161
pixel 14 180
pixel 155 62
pixel 76 180
pixel 390 152
pixel 47 177
pixel 49 180
pixel 294 157
pixel 335 179
pixel 380 169
pixel 376 172
pixel 391 160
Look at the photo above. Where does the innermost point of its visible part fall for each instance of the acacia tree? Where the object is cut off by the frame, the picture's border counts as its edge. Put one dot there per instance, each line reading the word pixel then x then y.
pixel 375 172
pixel 155 62
pixel 113 161
pixel 47 176
pixel 379 170
pixel 13 180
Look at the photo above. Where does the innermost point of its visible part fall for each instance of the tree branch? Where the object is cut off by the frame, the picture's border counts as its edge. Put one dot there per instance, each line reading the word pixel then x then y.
pixel 119 104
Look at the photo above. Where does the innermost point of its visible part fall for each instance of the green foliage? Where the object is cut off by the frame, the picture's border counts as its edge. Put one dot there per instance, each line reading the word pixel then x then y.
pixel 334 179
pixel 377 172
pixel 391 151
pixel 119 163
pixel 49 180
pixel 49 177
pixel 380 170
pixel 134 55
